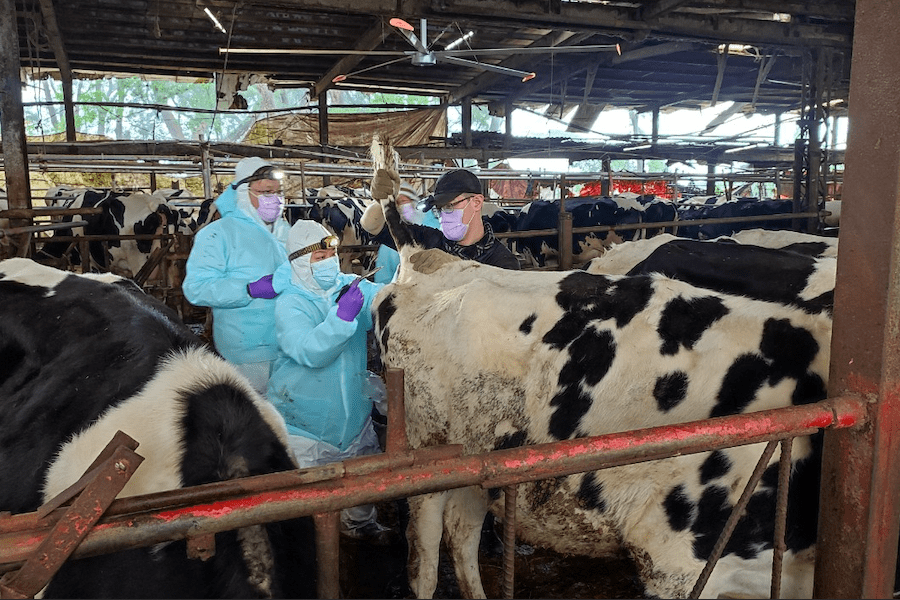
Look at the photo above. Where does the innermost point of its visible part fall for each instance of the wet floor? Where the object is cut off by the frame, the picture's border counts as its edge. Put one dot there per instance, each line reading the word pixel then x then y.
pixel 369 571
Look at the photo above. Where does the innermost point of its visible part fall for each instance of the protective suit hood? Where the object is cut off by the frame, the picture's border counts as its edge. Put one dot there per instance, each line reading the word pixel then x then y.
pixel 234 200
pixel 302 234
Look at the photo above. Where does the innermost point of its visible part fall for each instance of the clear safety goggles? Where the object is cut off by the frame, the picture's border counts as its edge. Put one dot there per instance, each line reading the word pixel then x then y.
pixel 459 204
pixel 326 243
pixel 266 172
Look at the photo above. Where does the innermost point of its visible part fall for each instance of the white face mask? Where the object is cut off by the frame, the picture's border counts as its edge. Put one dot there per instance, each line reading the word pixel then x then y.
pixel 325 272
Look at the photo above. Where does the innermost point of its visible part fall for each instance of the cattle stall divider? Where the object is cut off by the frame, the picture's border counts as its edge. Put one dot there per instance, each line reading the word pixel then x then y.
pixel 194 512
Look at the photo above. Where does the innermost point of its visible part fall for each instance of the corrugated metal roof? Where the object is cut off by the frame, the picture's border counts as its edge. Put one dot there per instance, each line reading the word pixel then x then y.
pixel 671 49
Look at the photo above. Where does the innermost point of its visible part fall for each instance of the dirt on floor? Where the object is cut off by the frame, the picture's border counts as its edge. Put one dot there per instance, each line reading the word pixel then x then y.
pixel 370 571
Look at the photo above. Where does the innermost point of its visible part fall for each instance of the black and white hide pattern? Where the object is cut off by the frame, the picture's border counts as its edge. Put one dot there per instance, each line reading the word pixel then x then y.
pixel 340 212
pixel 739 207
pixel 818 246
pixel 784 276
pixel 588 211
pixel 187 213
pixel 84 356
pixel 123 214
pixel 495 359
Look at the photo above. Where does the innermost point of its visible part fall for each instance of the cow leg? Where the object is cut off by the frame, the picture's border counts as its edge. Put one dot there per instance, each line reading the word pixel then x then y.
pixel 423 535
pixel 463 518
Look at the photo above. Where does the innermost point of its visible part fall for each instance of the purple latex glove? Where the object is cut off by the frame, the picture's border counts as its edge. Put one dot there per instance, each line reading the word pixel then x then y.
pixel 262 288
pixel 350 303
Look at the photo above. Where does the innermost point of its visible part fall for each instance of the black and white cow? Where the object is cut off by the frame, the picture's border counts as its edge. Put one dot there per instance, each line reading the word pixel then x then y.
pixel 87 355
pixel 188 213
pixel 588 211
pixel 794 275
pixel 741 207
pixel 818 246
pixel 340 212
pixel 123 213
pixel 496 359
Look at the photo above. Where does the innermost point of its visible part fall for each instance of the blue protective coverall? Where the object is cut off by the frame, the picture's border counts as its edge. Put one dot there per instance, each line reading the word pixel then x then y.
pixel 317 379
pixel 228 254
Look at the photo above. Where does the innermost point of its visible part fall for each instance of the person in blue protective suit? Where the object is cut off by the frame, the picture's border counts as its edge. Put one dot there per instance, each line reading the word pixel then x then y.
pixel 231 267
pixel 319 377
pixel 408 205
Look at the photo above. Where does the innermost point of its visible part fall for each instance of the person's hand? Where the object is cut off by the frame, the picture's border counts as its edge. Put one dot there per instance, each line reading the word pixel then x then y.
pixel 429 261
pixel 372 219
pixel 385 183
pixel 350 303
pixel 261 288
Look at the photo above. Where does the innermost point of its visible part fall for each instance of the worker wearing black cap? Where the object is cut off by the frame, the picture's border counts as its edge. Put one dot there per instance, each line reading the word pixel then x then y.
pixel 458 198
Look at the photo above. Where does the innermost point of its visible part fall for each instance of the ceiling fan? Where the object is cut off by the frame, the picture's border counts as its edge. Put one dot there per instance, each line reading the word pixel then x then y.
pixel 422 55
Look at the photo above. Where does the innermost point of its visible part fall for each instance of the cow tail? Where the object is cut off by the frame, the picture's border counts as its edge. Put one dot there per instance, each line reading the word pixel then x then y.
pixel 385 157
pixel 256 549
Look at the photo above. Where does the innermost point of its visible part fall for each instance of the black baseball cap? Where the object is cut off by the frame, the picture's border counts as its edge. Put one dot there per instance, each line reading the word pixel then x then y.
pixel 450 185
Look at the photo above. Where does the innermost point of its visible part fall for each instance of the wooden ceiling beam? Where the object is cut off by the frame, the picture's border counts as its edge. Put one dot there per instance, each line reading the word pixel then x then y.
pixel 605 18
pixel 54 36
pixel 370 40
pixel 658 8
pixel 486 80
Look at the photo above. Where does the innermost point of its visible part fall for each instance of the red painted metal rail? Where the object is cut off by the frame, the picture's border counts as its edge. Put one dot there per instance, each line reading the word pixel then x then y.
pixel 211 508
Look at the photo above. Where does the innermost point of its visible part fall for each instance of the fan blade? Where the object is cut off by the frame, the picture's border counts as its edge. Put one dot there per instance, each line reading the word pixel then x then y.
pixel 314 51
pixel 401 24
pixel 411 37
pixel 525 75
pixel 534 50
pixel 342 77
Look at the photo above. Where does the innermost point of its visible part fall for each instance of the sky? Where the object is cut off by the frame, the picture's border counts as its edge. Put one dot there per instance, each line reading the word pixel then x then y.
pixel 752 128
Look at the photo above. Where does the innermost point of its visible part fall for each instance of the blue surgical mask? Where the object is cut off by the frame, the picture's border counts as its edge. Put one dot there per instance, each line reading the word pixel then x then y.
pixel 325 272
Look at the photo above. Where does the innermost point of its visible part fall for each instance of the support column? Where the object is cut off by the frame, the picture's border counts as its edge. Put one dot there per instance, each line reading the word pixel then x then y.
pixel 606 182
pixel 323 132
pixel 777 137
pixel 466 106
pixel 508 110
pixel 12 124
pixel 859 520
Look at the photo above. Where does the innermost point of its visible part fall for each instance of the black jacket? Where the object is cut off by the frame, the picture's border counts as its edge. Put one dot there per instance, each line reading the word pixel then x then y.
pixel 488 250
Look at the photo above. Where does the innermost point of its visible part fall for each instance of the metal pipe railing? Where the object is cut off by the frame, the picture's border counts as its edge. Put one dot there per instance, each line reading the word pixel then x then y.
pixel 208 509
pixel 684 223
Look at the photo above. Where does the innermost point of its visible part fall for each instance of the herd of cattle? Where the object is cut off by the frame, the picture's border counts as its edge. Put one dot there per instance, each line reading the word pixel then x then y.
pixel 650 332
pixel 340 209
